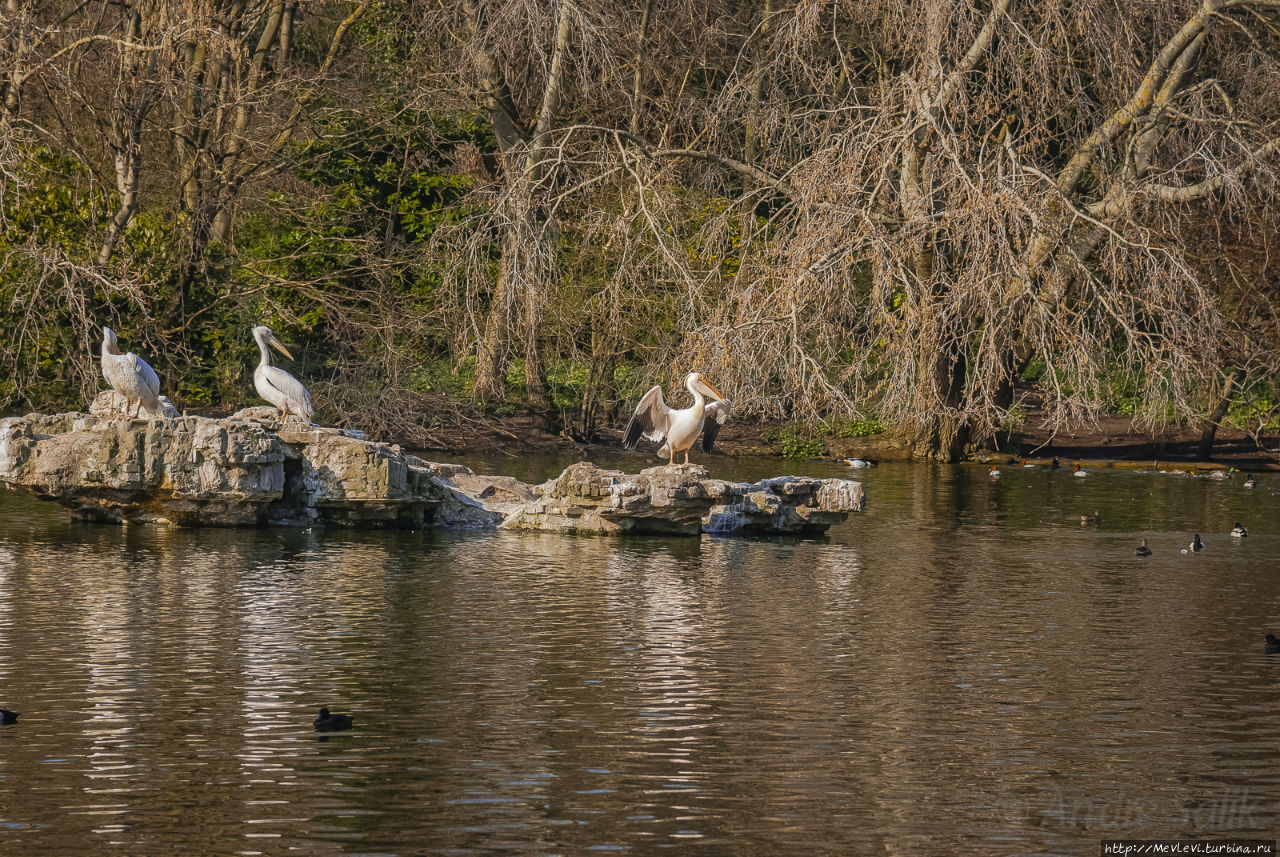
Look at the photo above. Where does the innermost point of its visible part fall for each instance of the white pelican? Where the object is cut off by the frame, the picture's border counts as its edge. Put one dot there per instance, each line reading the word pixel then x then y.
pixel 276 385
pixel 130 376
pixel 655 420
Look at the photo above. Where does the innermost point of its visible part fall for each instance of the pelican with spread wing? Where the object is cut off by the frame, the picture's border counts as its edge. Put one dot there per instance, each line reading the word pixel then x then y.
pixel 276 385
pixel 130 376
pixel 678 429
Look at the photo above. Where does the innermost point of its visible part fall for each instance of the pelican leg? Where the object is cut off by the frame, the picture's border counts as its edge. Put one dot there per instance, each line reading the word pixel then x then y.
pixel 686 456
pixel 671 458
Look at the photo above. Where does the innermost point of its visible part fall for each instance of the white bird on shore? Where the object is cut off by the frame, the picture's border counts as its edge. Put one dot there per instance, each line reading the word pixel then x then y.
pixel 130 376
pixel 655 420
pixel 276 385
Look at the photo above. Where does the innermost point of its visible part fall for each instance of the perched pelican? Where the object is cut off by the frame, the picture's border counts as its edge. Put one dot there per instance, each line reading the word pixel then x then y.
pixel 1142 549
pixel 1078 472
pixel 1248 481
pixel 1239 532
pixel 327 722
pixel 276 385
pixel 130 376
pixel 657 421
pixel 1271 645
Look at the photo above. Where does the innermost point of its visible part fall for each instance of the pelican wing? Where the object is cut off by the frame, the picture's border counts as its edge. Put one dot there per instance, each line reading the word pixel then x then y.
pixel 146 375
pixel 652 419
pixel 287 389
pixel 714 416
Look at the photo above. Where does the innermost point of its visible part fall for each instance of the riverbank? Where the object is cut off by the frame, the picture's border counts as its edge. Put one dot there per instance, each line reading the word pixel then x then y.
pixel 1112 439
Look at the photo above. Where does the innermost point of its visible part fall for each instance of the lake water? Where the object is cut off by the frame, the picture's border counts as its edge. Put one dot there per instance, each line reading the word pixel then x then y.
pixel 962 669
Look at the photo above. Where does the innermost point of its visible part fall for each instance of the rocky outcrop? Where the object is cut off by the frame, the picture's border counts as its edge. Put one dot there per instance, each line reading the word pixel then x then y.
pixel 249 470
pixel 684 500
pixel 246 470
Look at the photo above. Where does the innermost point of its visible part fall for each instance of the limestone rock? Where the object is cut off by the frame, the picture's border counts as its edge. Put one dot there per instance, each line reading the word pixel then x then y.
pixel 683 500
pixel 249 470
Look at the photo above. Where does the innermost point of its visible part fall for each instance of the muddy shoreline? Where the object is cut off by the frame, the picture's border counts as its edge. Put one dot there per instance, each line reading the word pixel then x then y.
pixel 1112 441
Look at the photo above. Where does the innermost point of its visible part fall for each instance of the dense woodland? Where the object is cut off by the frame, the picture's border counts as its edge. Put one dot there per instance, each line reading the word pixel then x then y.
pixel 848 213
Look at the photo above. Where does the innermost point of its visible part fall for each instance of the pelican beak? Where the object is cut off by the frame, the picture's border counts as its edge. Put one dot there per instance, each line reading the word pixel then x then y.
pixel 712 390
pixel 275 343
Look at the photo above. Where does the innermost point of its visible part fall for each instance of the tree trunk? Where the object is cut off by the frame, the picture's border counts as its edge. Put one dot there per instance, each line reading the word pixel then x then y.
pixel 132 103
pixel 527 252
pixel 1210 431
pixel 491 351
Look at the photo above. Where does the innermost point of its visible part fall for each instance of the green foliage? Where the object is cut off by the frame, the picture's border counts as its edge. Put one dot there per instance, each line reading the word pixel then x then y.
pixel 1034 372
pixel 796 445
pixel 865 427
pixel 1123 394
pixel 439 376
pixel 568 382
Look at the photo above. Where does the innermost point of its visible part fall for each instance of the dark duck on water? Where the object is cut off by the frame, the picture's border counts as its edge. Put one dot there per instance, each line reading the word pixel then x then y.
pixel 327 722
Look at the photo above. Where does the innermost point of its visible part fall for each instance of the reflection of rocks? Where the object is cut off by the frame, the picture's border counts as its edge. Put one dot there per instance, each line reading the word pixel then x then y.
pixel 247 470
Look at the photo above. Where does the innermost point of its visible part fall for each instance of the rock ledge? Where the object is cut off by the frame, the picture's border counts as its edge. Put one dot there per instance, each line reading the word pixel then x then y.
pixel 248 470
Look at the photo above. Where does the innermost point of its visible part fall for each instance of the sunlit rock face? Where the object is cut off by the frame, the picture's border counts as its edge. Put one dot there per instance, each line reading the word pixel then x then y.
pixel 249 470
pixel 683 499
pixel 245 470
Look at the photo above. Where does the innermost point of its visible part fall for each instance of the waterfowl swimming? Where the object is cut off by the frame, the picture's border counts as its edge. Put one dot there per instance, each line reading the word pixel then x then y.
pixel 1248 482
pixel 1142 549
pixel 859 462
pixel 1078 472
pixel 1056 465
pixel 327 722
pixel 1220 475
pixel 994 472
pixel 8 717
pixel 1239 532
pixel 1271 645
pixel 1091 520
pixel 1196 544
